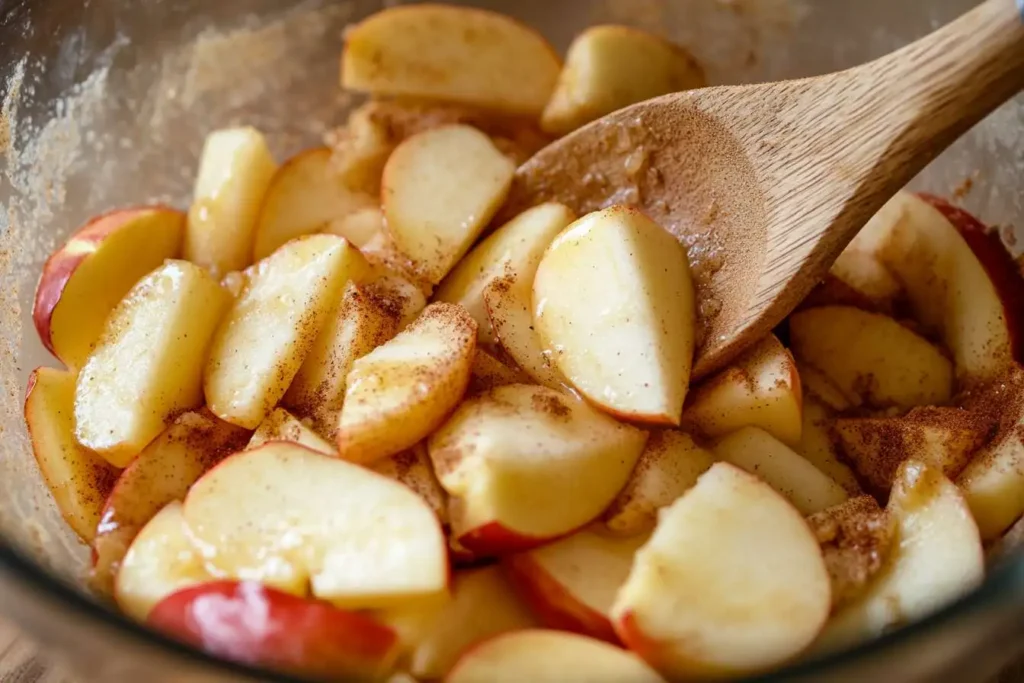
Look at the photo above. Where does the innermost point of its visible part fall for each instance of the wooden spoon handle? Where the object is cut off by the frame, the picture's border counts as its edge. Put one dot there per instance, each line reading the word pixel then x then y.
pixel 932 91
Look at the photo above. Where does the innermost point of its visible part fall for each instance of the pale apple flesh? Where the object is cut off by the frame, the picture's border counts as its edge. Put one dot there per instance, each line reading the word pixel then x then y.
pixel 632 354
pixel 696 606
pixel 510 493
pixel 817 445
pixel 162 473
pixel 571 584
pixel 453 54
pixel 545 656
pixel 86 278
pixel 78 478
pixel 280 425
pixel 274 515
pixel 162 330
pixel 761 389
pixel 259 626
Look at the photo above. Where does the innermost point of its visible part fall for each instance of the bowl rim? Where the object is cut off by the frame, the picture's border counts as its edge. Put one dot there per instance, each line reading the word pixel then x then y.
pixel 1005 578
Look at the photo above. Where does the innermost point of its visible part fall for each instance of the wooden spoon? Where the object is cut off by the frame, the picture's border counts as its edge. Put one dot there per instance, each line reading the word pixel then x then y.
pixel 767 183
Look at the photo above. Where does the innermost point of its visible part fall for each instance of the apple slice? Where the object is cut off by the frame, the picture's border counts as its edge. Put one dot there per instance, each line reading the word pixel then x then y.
pixel 235 170
pixel 509 304
pixel 83 280
pixel 818 447
pixel 872 356
pixel 280 425
pixel 670 464
pixel 304 195
pixel 248 623
pixel 944 438
pixel 402 391
pixel 697 604
pixel 611 67
pixel 482 604
pixel 412 469
pixel 489 372
pixel 78 478
pixel 571 584
pixel 364 320
pixel 274 515
pixel 160 561
pixel 543 656
pixel 361 227
pixel 993 482
pixel 273 324
pixel 856 538
pixel 958 278
pixel 936 558
pixel 527 464
pixel 816 385
pixel 624 332
pixel 397 292
pixel 761 454
pixel 858 279
pixel 515 247
pixel 161 331
pixel 162 473
pixel 761 389
pixel 454 54
pixel 440 189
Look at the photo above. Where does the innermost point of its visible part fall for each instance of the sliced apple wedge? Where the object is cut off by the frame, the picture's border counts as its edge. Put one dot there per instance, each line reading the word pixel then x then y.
pixel 571 584
pixel 482 604
pixel 454 54
pixel 395 291
pixel 235 170
pixel 162 330
pixel 511 492
pixel 858 279
pixel 872 356
pixel 78 479
pixel 364 320
pixel 611 67
pixel 280 425
pixel 670 464
pixel 959 280
pixel 489 372
pixel 402 391
pixel 162 473
pixel 361 227
pixel 944 438
pixel 856 538
pixel 624 332
pixel 696 606
pixel 509 304
pixel 440 189
pixel 993 481
pixel 412 468
pixel 817 446
pixel 273 324
pixel 160 561
pixel 304 196
pixel 936 558
pixel 515 247
pixel 758 452
pixel 339 546
pixel 761 389
pixel 248 623
pixel 83 280
pixel 543 656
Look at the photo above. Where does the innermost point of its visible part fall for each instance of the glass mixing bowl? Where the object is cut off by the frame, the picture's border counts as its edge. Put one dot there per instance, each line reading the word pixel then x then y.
pixel 106 102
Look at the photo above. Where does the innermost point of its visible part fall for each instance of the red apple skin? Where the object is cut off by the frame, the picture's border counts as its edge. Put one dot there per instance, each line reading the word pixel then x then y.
pixel 61 264
pixel 635 641
pixel 997 262
pixel 550 602
pixel 494 540
pixel 248 623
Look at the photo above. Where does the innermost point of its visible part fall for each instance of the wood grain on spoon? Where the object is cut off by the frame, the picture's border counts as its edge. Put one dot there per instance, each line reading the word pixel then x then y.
pixel 767 183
